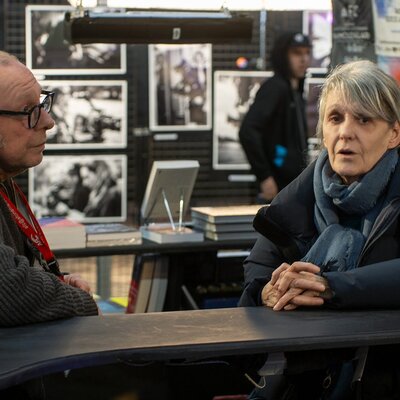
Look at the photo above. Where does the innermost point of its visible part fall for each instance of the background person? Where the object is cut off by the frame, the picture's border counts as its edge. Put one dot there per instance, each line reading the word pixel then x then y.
pixel 331 237
pixel 273 132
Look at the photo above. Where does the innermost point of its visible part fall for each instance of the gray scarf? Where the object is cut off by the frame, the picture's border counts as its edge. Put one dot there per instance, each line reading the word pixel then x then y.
pixel 337 247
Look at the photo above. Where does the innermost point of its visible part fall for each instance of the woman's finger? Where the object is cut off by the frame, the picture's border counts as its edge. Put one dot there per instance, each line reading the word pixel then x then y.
pixel 278 271
pixel 305 281
pixel 286 298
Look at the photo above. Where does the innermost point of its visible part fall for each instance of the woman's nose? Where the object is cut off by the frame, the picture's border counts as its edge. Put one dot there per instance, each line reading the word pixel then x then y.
pixel 347 128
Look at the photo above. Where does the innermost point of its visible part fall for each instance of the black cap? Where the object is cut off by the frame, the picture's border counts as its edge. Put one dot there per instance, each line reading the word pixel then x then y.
pixel 299 40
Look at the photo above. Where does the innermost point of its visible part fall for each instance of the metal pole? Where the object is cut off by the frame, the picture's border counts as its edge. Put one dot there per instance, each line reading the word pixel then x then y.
pixel 263 30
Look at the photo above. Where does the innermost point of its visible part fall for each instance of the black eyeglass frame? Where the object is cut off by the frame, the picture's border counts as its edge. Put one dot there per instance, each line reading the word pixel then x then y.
pixel 46 103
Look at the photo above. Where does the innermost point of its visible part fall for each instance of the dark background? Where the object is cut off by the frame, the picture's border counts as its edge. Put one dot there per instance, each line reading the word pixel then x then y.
pixel 212 186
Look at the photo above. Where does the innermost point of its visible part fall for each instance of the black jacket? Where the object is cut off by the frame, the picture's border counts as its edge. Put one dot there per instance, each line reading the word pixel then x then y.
pixel 288 231
pixel 275 118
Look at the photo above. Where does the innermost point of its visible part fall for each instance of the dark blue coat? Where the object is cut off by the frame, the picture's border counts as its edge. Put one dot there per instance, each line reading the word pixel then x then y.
pixel 288 231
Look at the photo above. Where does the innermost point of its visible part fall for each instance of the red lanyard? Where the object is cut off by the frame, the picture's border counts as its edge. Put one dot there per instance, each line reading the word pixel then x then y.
pixel 35 233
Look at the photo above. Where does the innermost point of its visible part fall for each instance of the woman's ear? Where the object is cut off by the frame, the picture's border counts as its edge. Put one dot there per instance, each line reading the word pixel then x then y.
pixel 395 138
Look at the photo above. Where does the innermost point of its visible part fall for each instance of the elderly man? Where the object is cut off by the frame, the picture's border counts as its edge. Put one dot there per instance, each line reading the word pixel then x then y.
pixel 32 288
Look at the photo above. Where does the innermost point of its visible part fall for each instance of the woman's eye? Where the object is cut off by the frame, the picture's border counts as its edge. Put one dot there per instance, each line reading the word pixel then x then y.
pixel 334 118
pixel 364 120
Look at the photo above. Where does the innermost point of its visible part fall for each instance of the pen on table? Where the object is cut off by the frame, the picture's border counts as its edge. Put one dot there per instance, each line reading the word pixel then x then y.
pixel 180 212
pixel 166 204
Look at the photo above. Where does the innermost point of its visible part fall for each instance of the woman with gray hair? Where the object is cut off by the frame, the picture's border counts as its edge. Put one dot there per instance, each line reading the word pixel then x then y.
pixel 331 238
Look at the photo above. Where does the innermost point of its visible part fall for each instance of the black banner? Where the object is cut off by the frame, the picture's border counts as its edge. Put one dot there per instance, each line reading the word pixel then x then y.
pixel 352 31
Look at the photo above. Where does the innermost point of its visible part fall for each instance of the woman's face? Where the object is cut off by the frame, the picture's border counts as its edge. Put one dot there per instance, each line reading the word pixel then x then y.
pixel 89 178
pixel 355 142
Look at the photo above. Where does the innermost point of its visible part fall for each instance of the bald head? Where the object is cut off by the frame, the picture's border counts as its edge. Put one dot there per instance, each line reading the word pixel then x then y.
pixel 20 91
pixel 15 80
pixel 7 58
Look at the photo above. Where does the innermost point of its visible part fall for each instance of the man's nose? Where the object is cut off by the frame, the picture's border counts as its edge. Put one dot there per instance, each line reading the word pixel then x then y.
pixel 46 121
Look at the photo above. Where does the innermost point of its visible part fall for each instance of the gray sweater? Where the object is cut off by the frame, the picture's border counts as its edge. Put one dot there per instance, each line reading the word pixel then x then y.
pixel 28 294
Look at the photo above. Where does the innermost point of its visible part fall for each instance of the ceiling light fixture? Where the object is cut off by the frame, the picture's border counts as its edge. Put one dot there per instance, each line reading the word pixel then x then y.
pixel 157 27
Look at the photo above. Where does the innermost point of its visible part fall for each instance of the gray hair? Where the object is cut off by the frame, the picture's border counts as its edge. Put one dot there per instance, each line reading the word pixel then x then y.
pixel 369 90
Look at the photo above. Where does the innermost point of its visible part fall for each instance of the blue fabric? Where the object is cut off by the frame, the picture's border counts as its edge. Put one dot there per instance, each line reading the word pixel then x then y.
pixel 337 247
pixel 280 155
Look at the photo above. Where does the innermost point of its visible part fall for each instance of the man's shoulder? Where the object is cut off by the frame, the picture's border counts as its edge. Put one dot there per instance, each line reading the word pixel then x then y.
pixel 276 80
pixel 275 84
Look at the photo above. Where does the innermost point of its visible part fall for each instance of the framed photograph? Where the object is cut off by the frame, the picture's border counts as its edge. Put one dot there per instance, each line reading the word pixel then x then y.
pixel 180 87
pixel 173 179
pixel 88 114
pixel 234 92
pixel 84 188
pixel 318 26
pixel 312 90
pixel 48 53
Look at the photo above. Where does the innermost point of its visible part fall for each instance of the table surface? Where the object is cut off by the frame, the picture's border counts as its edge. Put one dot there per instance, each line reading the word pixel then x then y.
pixel 148 246
pixel 39 349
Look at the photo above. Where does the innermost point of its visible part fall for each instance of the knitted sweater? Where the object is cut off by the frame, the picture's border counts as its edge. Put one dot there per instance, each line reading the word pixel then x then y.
pixel 28 294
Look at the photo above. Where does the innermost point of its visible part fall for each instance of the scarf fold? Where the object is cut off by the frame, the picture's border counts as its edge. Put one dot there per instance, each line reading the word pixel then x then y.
pixel 338 247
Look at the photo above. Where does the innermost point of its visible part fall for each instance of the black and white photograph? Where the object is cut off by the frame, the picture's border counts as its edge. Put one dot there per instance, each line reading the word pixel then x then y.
pixel 318 26
pixel 49 53
pixel 234 92
pixel 312 89
pixel 84 188
pixel 180 87
pixel 88 114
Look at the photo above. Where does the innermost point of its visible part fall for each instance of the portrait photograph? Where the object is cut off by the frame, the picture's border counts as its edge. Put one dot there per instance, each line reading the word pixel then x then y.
pixel 234 92
pixel 180 87
pixel 312 89
pixel 88 114
pixel 49 53
pixel 318 26
pixel 86 188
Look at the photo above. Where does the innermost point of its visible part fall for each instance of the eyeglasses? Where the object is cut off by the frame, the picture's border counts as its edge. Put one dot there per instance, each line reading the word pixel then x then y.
pixel 46 102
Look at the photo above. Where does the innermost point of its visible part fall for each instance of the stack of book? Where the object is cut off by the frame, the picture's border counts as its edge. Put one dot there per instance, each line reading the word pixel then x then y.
pixel 63 233
pixel 163 233
pixel 227 222
pixel 111 234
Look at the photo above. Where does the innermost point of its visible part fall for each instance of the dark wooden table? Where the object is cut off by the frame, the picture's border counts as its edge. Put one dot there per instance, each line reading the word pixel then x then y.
pixel 147 247
pixel 41 349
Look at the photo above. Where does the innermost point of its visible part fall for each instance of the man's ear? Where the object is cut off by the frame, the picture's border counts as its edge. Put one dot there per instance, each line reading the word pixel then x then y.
pixel 395 138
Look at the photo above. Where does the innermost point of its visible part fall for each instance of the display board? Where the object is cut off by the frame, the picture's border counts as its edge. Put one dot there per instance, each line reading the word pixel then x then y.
pixel 215 186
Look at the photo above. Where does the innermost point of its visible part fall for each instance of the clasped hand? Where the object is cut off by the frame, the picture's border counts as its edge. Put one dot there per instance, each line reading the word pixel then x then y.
pixel 295 285
pixel 77 281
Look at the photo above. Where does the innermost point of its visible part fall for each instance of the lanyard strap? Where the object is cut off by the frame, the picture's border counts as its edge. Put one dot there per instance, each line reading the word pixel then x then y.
pixel 35 233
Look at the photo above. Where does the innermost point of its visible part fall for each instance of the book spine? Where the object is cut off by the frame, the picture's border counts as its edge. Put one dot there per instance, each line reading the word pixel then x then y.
pixel 134 286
